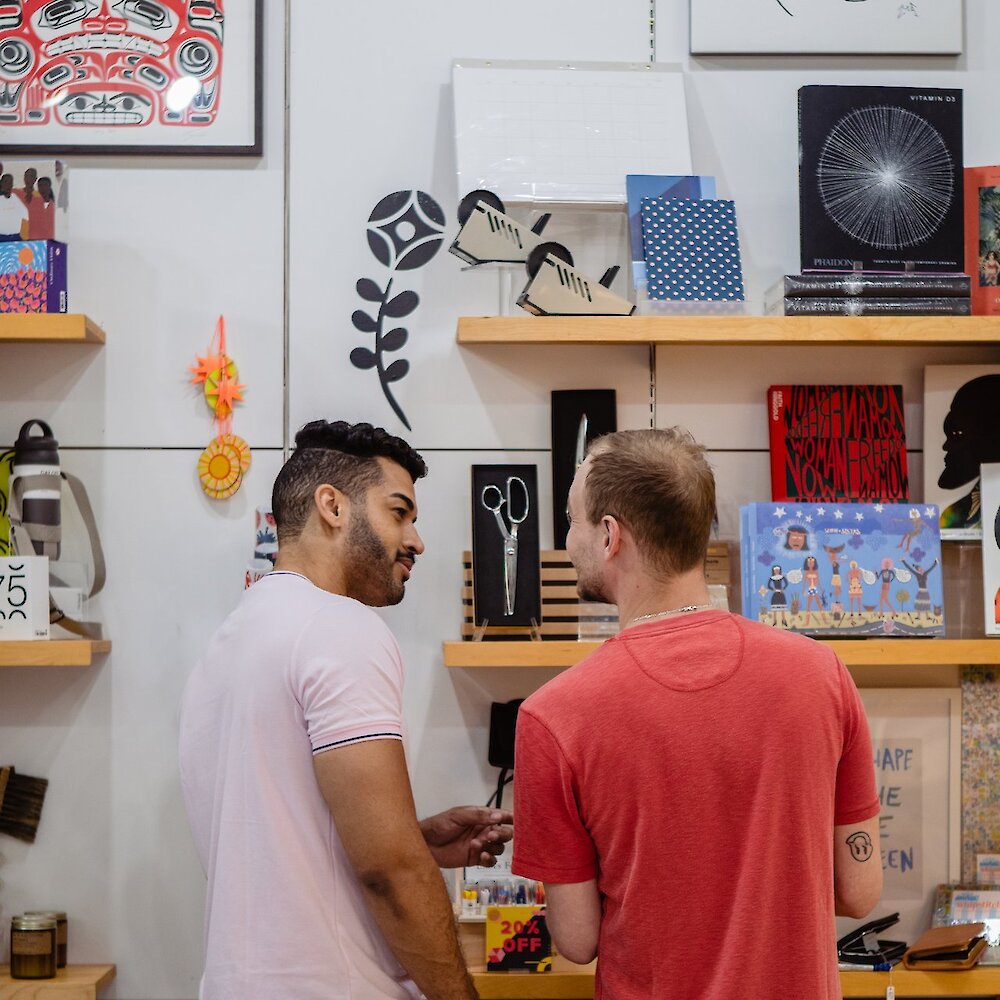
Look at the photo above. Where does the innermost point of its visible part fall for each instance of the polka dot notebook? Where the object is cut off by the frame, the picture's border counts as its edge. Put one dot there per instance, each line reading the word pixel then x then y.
pixel 692 249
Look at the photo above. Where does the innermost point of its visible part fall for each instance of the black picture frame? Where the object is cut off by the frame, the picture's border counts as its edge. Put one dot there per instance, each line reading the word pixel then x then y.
pixel 17 140
pixel 488 551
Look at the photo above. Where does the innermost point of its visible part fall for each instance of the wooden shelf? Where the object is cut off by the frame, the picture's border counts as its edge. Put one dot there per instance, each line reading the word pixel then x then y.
pixel 63 328
pixel 52 652
pixel 755 331
pixel 854 652
pixel 75 982
pixel 983 981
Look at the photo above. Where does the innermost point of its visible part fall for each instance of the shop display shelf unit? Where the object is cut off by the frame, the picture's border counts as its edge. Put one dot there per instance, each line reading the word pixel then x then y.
pixel 51 328
pixel 872 661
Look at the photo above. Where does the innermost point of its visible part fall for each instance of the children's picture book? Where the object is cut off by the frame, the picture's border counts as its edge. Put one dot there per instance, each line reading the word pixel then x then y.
pixel 880 179
pixel 837 442
pixel 990 479
pixel 982 237
pixel 835 570
pixel 961 416
pixel 639 186
pixel 34 200
pixel 692 249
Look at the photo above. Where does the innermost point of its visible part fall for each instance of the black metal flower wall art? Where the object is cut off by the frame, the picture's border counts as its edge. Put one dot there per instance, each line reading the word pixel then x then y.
pixel 404 232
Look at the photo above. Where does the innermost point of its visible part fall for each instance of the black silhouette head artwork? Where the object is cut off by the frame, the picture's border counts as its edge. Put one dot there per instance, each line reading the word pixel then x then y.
pixel 971 440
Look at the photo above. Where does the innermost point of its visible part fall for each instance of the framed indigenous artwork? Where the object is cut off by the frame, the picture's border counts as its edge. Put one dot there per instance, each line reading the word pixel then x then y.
pixel 807 27
pixel 131 77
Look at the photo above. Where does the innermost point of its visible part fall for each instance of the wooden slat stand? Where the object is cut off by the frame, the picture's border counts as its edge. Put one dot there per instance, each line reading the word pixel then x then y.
pixel 564 616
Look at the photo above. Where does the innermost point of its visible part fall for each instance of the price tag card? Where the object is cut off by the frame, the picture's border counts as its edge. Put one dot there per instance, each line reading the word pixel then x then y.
pixel 24 597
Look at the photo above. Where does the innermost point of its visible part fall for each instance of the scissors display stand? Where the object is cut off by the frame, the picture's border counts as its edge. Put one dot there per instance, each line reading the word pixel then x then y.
pixel 506 592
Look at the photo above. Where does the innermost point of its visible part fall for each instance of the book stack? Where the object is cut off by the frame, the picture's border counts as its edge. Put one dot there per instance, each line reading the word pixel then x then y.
pixel 862 294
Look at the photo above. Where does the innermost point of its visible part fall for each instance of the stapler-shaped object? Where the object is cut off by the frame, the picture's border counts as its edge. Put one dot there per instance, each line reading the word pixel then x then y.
pixel 490 236
pixel 556 289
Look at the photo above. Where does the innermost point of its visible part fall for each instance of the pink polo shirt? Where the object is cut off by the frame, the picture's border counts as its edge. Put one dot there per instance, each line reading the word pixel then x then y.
pixel 294 671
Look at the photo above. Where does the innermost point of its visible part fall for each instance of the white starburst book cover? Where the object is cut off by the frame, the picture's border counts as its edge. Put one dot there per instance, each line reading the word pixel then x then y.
pixel 835 570
pixel 880 179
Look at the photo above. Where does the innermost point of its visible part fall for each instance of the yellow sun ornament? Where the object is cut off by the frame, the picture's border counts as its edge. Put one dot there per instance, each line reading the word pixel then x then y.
pixel 222 466
pixel 224 462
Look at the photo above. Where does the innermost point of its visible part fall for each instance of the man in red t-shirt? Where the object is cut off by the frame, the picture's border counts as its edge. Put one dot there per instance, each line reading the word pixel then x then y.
pixel 698 795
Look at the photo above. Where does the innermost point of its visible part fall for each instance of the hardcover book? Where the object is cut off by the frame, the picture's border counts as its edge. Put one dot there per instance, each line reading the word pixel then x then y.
pixel 639 186
pixel 835 570
pixel 850 305
pixel 837 442
pixel 991 547
pixel 961 416
pixel 881 286
pixel 880 179
pixel 982 237
pixel 692 249
pixel 32 276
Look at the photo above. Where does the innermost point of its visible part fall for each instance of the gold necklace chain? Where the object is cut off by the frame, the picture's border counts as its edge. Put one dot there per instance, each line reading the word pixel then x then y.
pixel 673 611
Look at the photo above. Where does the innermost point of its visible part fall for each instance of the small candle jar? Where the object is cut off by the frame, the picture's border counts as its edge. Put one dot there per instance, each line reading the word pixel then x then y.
pixel 62 932
pixel 32 948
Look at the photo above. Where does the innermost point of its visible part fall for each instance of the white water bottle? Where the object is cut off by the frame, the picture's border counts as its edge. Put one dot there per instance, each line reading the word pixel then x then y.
pixel 36 464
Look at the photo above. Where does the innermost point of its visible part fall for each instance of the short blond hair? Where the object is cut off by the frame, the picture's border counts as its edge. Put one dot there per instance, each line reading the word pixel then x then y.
pixel 659 485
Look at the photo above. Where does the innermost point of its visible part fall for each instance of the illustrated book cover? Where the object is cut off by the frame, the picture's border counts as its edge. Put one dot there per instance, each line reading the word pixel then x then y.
pixel 991 547
pixel 692 249
pixel 834 570
pixel 32 276
pixel 961 416
pixel 982 237
pixel 639 186
pixel 837 442
pixel 880 179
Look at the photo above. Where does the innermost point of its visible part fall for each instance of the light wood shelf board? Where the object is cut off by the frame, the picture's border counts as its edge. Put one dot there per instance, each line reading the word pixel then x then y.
pixel 75 982
pixel 52 652
pixel 71 328
pixel 731 330
pixel 854 652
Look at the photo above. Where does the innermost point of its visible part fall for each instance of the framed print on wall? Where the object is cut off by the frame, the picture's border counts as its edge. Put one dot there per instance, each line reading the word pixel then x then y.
pixel 809 27
pixel 168 77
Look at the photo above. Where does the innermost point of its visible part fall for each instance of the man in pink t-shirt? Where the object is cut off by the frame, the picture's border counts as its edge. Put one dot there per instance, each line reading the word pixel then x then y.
pixel 698 795
pixel 322 884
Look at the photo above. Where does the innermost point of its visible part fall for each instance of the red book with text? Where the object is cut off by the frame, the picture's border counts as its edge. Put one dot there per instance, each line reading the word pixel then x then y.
pixel 837 443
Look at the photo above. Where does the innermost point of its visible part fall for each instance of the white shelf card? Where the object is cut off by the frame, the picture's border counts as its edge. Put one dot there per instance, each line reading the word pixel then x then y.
pixel 566 132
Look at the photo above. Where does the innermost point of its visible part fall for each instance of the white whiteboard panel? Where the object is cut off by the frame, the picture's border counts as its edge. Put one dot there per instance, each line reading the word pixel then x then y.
pixel 916 738
pixel 813 26
pixel 535 131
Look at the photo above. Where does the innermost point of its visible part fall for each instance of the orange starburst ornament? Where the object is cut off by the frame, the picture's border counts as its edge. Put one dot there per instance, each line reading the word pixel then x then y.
pixel 225 461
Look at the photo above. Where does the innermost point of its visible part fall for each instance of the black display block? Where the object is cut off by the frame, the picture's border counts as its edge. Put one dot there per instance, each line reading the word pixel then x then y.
pixel 569 406
pixel 488 546
pixel 880 179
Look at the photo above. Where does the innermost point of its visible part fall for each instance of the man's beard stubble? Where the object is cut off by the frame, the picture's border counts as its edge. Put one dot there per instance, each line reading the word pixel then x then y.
pixel 369 573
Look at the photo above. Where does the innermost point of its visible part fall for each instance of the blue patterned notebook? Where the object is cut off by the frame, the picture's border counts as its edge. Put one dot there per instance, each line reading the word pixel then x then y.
pixel 843 569
pixel 692 249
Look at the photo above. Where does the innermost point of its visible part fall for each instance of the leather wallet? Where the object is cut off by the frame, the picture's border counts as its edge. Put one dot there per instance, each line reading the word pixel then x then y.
pixel 955 946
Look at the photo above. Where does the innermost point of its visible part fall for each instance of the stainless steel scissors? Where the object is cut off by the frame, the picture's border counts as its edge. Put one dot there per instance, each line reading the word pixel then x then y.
pixel 494 499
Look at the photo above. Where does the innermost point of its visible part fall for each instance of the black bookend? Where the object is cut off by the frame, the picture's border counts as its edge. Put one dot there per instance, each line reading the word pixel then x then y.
pixel 569 408
pixel 498 493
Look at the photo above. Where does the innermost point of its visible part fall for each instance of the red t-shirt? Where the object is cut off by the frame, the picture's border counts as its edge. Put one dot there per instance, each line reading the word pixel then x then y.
pixel 695 767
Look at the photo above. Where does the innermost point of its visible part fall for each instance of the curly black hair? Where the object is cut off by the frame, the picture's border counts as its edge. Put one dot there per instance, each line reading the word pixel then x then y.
pixel 341 454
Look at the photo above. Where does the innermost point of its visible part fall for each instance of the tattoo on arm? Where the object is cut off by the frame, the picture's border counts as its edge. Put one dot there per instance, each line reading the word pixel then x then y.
pixel 861 846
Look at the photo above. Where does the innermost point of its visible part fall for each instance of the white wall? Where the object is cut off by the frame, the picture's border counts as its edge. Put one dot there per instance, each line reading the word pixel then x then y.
pixel 160 248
